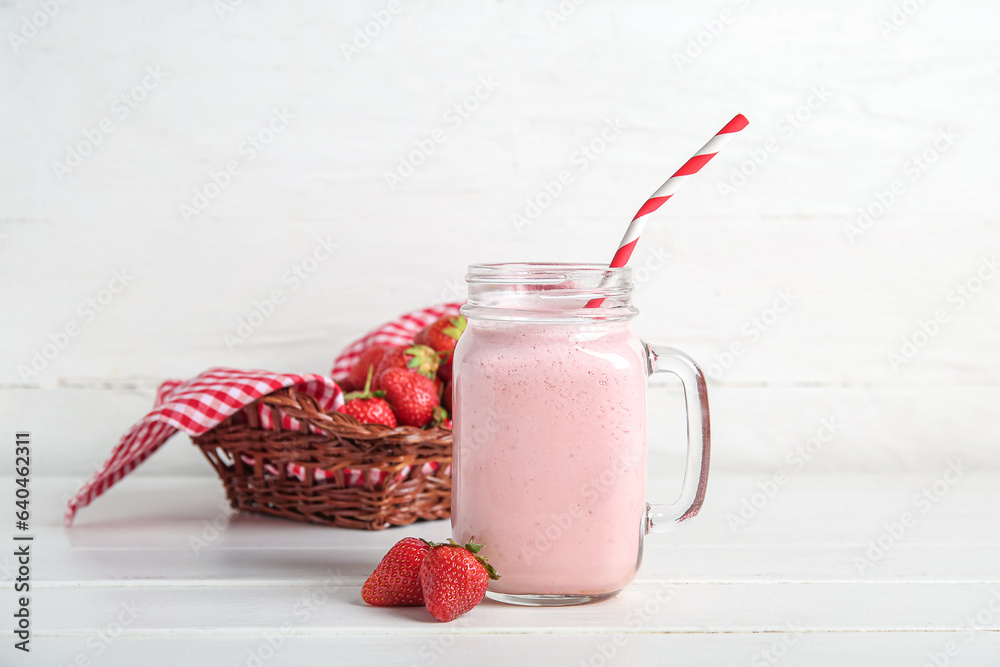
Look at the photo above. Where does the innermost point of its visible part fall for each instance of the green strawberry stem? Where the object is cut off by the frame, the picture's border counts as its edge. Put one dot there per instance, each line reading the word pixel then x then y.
pixel 472 548
pixel 423 360
pixel 457 327
pixel 367 393
pixel 439 416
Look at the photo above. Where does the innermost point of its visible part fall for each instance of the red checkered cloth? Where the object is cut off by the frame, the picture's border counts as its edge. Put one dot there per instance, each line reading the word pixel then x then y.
pixel 195 407
pixel 198 405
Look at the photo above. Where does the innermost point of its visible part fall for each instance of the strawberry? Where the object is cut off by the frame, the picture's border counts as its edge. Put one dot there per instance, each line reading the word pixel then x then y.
pixel 445 332
pixel 419 358
pixel 411 395
pixel 371 357
pixel 453 579
pixel 421 337
pixel 446 396
pixel 368 406
pixel 396 580
pixel 443 335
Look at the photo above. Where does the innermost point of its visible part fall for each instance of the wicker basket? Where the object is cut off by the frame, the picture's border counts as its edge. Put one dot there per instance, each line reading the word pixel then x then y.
pixel 253 463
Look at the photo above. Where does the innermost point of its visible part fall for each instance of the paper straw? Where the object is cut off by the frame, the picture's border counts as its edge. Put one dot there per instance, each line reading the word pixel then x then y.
pixel 667 190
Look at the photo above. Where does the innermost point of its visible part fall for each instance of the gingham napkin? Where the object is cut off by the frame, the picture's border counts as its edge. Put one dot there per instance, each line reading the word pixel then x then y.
pixel 197 405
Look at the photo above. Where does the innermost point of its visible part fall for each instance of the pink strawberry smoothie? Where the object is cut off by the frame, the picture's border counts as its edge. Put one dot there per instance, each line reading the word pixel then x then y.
pixel 550 454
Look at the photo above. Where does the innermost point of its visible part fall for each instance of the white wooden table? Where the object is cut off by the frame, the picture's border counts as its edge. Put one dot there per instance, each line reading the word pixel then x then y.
pixel 144 578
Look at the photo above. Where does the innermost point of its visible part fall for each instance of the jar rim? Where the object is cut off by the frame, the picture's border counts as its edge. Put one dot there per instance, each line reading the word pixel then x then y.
pixel 547 273
pixel 549 292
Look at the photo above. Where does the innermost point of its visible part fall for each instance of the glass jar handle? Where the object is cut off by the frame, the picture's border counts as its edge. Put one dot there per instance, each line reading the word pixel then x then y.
pixel 662 518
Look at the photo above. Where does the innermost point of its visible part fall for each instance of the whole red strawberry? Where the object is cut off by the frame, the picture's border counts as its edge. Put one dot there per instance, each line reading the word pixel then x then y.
pixel 370 358
pixel 396 580
pixel 454 579
pixel 419 358
pixel 443 335
pixel 412 396
pixel 368 406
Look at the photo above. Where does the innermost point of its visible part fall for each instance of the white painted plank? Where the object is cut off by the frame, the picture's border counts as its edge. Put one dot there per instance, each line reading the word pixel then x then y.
pixel 886 649
pixel 330 610
pixel 753 564
pixel 817 528
pixel 689 563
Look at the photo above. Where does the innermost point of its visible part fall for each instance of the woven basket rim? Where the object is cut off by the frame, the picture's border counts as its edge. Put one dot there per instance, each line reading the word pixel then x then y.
pixel 241 451
pixel 366 445
pixel 305 408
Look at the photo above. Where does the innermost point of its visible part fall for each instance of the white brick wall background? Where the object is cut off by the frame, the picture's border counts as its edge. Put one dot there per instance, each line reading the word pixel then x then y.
pixel 864 188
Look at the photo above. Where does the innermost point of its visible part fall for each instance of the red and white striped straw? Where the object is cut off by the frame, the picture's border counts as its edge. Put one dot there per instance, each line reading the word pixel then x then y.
pixel 673 184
